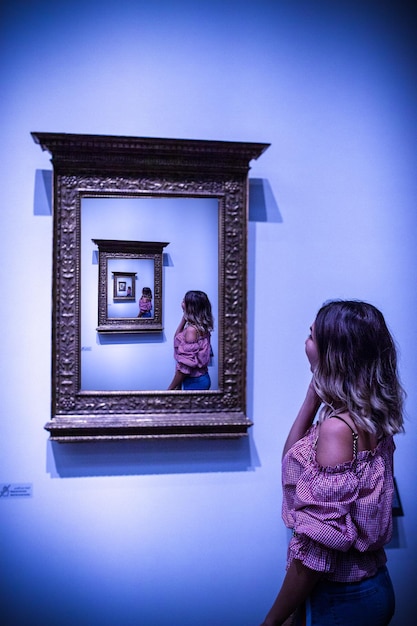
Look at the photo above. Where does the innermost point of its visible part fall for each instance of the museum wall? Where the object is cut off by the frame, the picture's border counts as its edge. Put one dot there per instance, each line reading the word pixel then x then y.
pixel 189 532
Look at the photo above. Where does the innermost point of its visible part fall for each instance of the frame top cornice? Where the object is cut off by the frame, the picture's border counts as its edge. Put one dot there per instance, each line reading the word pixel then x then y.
pixel 117 153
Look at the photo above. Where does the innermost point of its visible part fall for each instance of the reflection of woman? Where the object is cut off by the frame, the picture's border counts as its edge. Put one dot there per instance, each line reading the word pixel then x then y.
pixel 145 302
pixel 192 349
pixel 337 474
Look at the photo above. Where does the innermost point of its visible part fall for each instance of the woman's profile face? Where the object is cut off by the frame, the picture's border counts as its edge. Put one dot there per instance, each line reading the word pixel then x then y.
pixel 311 349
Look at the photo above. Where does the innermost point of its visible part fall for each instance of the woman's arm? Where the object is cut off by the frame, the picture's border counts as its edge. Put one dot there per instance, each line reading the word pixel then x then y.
pixel 177 380
pixel 297 586
pixel 304 418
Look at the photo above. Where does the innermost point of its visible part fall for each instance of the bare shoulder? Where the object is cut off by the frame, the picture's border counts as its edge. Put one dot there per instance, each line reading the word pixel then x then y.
pixel 335 443
pixel 190 334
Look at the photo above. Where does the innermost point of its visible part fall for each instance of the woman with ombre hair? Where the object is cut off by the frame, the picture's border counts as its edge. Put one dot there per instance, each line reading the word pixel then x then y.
pixel 337 474
pixel 192 346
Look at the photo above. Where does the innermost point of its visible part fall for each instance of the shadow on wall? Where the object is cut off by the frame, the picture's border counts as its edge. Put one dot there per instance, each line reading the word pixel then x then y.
pixel 139 458
pixel 42 201
pixel 398 539
pixel 262 203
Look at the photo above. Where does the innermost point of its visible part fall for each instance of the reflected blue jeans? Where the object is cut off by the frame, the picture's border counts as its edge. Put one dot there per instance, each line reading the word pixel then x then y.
pixel 198 382
pixel 370 602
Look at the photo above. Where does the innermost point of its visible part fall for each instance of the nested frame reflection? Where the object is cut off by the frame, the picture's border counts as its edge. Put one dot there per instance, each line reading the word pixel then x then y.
pixel 124 285
pixel 113 251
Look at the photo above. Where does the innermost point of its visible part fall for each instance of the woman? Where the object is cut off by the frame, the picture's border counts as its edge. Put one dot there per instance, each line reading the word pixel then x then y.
pixel 192 348
pixel 145 303
pixel 338 474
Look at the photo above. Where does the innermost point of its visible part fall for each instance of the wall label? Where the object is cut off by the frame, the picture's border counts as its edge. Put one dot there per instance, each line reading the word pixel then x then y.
pixel 16 490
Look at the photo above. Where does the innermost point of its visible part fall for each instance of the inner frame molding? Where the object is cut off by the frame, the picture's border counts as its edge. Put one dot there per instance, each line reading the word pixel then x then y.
pixel 86 166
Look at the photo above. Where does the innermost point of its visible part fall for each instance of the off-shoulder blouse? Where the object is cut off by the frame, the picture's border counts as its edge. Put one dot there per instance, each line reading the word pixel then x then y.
pixel 145 305
pixel 192 358
pixel 341 516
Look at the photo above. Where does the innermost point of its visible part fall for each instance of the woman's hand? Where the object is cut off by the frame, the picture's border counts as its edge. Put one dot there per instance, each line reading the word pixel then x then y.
pixel 312 350
pixel 304 419
pixel 181 325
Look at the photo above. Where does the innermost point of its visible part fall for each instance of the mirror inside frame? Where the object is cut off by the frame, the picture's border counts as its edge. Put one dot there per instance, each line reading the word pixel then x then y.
pixel 130 349
pixel 112 193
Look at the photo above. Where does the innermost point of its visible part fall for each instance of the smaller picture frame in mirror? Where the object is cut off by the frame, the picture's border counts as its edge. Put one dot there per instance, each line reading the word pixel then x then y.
pixel 124 286
pixel 130 286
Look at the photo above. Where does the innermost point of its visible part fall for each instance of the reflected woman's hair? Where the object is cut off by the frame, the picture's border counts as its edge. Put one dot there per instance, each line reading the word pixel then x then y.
pixel 197 311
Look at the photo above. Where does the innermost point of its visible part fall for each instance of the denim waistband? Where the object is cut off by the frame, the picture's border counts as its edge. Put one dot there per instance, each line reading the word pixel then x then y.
pixel 337 583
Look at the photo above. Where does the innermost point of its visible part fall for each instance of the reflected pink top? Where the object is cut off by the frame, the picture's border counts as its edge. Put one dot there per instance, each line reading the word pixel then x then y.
pixel 145 305
pixel 341 516
pixel 192 358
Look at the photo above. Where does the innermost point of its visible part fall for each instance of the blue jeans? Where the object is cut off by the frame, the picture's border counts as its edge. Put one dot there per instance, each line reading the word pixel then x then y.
pixel 370 602
pixel 198 382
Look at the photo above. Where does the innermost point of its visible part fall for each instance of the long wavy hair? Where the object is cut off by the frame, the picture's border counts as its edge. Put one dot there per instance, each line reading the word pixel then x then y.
pixel 357 367
pixel 197 311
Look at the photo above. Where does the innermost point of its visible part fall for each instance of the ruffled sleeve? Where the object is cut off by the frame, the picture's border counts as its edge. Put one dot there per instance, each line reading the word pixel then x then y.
pixel 335 509
pixel 323 523
pixel 192 357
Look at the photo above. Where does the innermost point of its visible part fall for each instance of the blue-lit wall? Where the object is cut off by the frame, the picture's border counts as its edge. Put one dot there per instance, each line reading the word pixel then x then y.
pixel 189 533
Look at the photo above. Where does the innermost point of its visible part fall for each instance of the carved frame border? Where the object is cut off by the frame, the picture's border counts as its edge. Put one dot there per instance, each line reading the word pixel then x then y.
pixel 86 166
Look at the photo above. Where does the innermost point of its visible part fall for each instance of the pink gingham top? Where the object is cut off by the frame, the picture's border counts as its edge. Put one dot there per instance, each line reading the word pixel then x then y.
pixel 192 358
pixel 145 305
pixel 341 516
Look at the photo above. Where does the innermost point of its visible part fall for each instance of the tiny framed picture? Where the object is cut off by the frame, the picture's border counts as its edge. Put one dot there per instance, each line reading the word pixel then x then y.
pixel 124 286
pixel 129 286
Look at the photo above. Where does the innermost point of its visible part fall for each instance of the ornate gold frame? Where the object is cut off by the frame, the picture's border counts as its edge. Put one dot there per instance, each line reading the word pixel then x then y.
pixel 97 165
